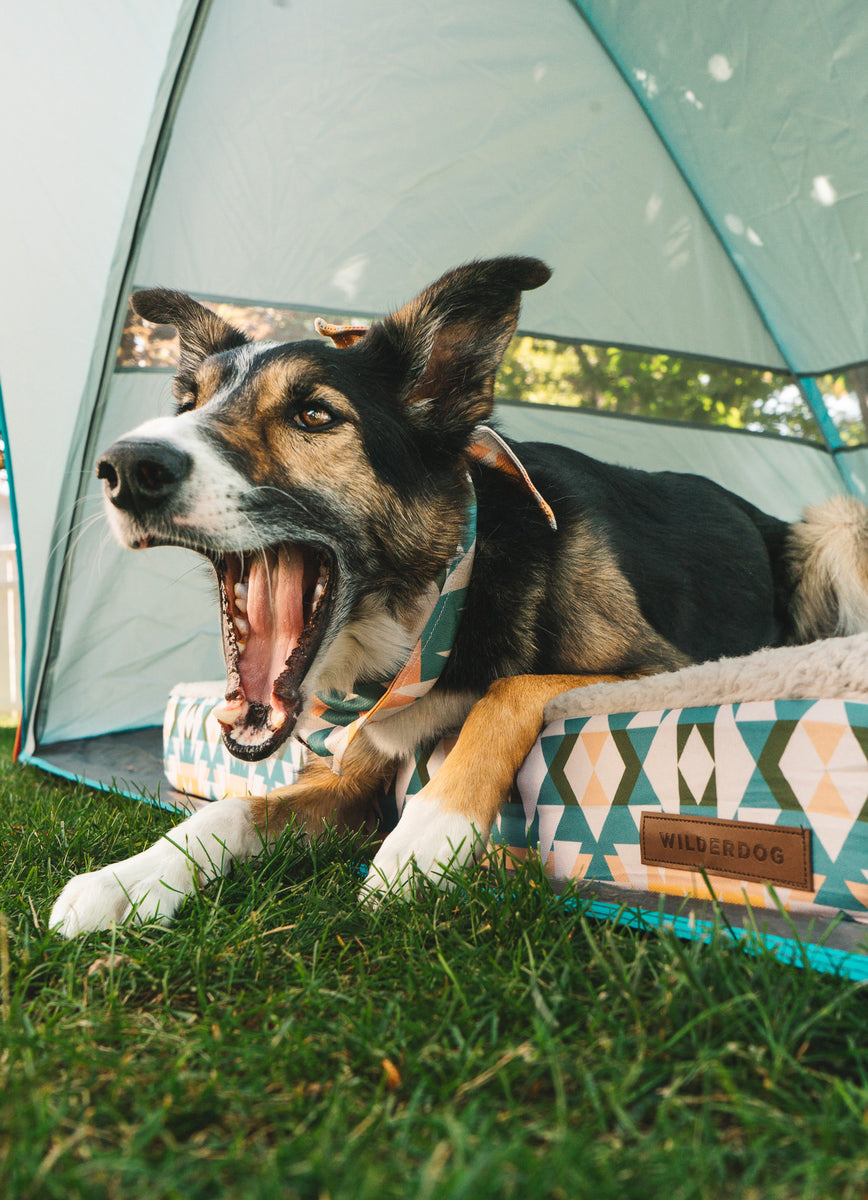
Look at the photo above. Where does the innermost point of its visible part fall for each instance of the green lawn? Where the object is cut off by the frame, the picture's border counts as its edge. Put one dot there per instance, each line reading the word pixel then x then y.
pixel 279 1041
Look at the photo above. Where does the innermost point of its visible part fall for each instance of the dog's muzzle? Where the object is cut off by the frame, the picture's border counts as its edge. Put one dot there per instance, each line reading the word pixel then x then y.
pixel 140 476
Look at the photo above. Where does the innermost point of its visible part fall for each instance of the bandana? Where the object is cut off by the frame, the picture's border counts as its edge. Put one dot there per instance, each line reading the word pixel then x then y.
pixel 336 718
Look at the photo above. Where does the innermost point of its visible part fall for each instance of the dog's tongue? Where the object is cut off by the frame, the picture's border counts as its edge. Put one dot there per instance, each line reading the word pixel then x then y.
pixel 276 619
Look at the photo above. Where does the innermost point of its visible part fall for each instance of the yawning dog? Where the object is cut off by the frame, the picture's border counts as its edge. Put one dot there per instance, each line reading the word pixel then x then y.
pixel 389 569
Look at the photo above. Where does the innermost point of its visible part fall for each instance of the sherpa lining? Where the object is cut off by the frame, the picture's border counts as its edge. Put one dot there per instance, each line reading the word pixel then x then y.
pixel 835 668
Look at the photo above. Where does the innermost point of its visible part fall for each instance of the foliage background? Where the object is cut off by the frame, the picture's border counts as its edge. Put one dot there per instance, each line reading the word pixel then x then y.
pixel 608 379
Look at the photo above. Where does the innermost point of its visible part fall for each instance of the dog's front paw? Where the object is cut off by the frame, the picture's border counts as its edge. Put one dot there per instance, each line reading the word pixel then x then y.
pixel 149 887
pixel 428 838
pixel 153 885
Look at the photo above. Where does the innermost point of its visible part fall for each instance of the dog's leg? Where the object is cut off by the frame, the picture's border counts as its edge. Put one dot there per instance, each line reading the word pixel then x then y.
pixel 447 823
pixel 151 886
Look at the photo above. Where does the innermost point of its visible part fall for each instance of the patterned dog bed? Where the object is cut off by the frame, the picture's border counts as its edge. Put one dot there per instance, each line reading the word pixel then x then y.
pixel 198 765
pixel 749 797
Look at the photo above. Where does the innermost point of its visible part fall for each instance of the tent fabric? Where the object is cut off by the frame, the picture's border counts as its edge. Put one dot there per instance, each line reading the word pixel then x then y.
pixel 455 132
pixel 779 475
pixel 765 112
pixel 87 87
pixel 750 140
pixel 692 173
pixel 857 465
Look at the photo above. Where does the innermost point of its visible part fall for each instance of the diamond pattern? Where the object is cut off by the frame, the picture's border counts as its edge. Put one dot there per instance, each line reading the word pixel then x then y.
pixel 695 766
pixel 587 781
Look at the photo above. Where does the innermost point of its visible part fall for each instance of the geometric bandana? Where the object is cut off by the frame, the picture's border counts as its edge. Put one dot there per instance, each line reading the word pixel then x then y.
pixel 336 718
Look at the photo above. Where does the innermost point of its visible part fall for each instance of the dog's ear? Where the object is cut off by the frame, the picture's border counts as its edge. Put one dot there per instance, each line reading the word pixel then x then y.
pixel 201 331
pixel 453 336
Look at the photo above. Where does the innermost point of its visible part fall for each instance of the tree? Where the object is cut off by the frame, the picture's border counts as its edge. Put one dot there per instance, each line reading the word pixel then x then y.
pixel 609 379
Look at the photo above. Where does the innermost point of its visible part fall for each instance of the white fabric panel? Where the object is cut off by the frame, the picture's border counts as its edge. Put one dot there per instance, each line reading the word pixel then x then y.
pixel 136 622
pixel 766 108
pixel 77 87
pixel 779 475
pixel 342 158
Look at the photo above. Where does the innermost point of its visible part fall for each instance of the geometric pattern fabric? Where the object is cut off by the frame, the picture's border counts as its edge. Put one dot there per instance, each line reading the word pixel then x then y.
pixel 196 762
pixel 797 763
pixel 587 781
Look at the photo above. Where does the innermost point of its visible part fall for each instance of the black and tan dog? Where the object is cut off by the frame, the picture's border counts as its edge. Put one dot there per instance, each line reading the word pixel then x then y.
pixel 331 486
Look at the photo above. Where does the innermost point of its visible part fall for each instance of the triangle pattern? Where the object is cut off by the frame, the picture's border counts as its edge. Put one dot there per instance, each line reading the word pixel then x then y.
pixel 735 768
pixel 825 737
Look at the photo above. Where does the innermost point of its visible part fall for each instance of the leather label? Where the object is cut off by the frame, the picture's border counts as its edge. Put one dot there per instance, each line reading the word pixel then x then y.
pixel 737 849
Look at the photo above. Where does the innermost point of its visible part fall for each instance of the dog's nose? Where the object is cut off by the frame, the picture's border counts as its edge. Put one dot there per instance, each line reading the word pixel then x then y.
pixel 142 475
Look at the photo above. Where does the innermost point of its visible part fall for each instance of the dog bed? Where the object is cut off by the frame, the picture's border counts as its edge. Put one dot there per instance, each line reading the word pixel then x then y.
pixel 743 782
pixel 655 791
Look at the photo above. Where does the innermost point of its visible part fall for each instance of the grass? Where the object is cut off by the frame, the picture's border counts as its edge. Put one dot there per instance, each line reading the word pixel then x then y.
pixel 280 1041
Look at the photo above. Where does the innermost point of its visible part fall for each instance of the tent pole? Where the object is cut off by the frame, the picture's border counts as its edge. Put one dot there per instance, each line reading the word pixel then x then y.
pixel 810 389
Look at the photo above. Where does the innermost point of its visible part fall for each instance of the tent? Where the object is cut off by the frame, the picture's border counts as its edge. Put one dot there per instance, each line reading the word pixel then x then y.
pixel 696 174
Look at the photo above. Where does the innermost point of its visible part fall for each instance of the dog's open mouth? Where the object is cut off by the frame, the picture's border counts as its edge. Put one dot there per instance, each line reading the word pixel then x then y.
pixel 274 606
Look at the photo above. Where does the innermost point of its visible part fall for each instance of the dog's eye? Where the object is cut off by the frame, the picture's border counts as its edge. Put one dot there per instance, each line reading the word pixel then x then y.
pixel 313 416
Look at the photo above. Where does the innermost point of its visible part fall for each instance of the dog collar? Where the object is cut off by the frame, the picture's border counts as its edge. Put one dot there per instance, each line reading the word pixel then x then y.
pixel 336 718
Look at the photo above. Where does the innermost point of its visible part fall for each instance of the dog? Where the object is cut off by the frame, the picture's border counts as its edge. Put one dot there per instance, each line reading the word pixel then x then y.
pixel 390 569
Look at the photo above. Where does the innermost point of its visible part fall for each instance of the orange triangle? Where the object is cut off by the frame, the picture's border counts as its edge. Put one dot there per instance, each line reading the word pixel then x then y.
pixel 594 793
pixel 594 741
pixel 617 868
pixel 860 892
pixel 580 866
pixel 824 736
pixel 827 800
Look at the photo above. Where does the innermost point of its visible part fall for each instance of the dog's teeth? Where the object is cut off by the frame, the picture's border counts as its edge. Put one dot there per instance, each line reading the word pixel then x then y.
pixel 241 644
pixel 277 716
pixel 242 627
pixel 318 592
pixel 228 713
pixel 241 597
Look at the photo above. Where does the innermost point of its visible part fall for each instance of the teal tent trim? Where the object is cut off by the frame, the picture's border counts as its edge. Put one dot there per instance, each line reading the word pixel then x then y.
pixel 117 787
pixel 7 454
pixel 811 391
pixel 790 950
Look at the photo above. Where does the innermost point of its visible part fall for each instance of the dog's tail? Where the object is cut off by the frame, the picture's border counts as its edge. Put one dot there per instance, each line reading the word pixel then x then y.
pixel 828 553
